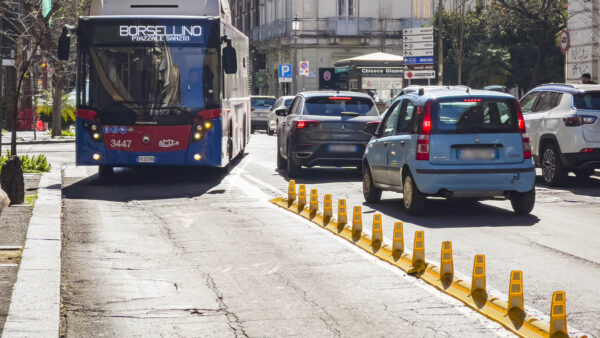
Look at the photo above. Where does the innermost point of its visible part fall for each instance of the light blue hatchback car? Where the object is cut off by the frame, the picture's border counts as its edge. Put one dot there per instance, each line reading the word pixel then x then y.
pixel 451 142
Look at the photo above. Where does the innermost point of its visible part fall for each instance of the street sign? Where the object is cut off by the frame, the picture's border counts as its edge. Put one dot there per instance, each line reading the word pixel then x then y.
pixel 419 67
pixel 344 69
pixel 565 40
pixel 420 74
pixel 304 68
pixel 418 38
pixel 418 45
pixel 418 31
pixel 418 60
pixel 285 73
pixel 418 52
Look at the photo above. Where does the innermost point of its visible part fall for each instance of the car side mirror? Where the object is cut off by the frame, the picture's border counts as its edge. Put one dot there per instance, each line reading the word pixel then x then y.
pixel 230 62
pixel 371 128
pixel 281 111
pixel 64 45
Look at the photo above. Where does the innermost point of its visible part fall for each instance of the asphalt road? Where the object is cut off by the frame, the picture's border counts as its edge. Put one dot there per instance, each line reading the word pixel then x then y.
pixel 200 253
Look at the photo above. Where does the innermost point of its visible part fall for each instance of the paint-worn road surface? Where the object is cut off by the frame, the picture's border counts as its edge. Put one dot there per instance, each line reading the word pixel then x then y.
pixel 177 253
pixel 181 253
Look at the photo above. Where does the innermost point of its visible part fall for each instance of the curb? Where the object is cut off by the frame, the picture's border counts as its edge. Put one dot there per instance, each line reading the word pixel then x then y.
pixel 509 314
pixel 35 304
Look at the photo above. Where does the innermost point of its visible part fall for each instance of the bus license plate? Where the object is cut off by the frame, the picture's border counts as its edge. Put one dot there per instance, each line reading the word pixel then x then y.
pixel 146 159
pixel 478 154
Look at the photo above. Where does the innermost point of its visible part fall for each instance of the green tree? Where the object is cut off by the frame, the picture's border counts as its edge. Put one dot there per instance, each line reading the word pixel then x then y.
pixel 529 30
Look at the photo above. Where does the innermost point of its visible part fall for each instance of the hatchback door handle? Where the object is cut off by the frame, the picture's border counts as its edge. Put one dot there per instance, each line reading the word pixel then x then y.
pixel 387 143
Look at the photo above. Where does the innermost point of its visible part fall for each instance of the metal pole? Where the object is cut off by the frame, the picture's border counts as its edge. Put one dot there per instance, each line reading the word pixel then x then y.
pixel 295 65
pixel 440 43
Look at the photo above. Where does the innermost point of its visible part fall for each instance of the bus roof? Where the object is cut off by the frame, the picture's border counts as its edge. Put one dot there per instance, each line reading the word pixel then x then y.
pixel 214 8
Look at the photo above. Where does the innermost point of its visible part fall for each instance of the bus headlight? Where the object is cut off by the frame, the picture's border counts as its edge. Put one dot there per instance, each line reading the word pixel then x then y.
pixel 208 125
pixel 197 157
pixel 94 127
pixel 197 136
pixel 96 157
pixel 199 127
pixel 96 136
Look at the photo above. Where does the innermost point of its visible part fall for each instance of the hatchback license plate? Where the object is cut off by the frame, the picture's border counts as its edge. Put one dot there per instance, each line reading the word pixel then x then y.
pixel 146 159
pixel 343 148
pixel 478 154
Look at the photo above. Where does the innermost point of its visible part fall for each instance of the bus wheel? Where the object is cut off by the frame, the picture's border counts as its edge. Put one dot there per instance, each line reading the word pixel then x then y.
pixel 105 171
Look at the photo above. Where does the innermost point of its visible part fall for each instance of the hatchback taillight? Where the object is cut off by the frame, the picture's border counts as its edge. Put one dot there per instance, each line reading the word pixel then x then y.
pixel 524 136
pixel 423 140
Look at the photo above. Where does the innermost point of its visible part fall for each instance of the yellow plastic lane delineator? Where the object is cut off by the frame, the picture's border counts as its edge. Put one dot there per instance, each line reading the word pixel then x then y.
pixel 342 212
pixel 301 197
pixel 492 308
pixel 357 220
pixel 515 291
pixel 447 262
pixel 558 315
pixel 418 256
pixel 328 207
pixel 291 192
pixel 314 200
pixel 478 280
pixel 377 229
pixel 398 241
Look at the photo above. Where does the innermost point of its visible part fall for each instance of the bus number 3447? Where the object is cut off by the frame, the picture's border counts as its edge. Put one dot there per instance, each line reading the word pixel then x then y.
pixel 120 143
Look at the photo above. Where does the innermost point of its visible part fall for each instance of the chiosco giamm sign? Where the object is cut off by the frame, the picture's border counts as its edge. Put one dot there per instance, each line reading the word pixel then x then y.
pixel 381 71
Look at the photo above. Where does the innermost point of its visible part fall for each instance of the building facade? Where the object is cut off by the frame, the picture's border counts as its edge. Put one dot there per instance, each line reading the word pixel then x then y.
pixel 329 30
pixel 584 33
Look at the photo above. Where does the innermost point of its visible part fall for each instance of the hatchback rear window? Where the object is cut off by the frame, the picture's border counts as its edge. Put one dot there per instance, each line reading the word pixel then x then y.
pixel 335 106
pixel 475 115
pixel 589 101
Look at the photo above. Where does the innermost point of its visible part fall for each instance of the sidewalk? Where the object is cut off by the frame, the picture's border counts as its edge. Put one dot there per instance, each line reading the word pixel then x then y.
pixel 35 305
pixel 41 137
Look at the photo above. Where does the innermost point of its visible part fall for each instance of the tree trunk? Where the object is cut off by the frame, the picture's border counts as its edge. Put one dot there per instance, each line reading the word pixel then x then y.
pixel 538 72
pixel 57 94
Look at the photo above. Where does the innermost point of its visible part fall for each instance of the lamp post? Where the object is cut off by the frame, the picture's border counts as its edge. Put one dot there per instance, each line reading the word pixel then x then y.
pixel 295 28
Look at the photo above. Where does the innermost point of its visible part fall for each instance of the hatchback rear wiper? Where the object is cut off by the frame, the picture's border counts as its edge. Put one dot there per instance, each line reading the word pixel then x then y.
pixel 350 113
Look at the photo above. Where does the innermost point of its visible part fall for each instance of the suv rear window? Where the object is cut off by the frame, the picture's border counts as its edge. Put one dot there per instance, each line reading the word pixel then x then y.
pixel 589 101
pixel 330 106
pixel 475 115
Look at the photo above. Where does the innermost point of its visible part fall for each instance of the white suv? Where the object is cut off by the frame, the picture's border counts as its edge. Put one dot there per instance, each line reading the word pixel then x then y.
pixel 563 122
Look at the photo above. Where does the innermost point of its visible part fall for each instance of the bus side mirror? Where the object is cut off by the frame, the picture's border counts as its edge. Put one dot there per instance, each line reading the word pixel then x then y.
pixel 230 62
pixel 64 45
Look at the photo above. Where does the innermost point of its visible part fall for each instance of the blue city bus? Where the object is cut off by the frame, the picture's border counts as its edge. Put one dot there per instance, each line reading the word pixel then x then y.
pixel 160 91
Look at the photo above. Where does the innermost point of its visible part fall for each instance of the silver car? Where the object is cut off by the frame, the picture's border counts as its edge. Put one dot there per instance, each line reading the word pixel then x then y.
pixel 261 107
pixel 274 120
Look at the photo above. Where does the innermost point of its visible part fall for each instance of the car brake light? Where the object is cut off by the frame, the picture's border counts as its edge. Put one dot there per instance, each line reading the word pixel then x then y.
pixel 523 130
pixel 87 114
pixel 472 100
pixel 340 98
pixel 423 140
pixel 306 124
pixel 578 120
pixel 587 150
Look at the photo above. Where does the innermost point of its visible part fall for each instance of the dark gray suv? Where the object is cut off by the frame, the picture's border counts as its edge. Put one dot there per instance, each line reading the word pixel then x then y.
pixel 324 129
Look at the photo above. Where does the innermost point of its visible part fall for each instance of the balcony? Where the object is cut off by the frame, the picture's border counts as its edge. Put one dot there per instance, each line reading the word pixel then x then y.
pixel 332 27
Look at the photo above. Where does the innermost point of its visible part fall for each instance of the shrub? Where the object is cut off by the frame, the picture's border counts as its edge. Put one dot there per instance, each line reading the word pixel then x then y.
pixel 30 164
pixel 44 108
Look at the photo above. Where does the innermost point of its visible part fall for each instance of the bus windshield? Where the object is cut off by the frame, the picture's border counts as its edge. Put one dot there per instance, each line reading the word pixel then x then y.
pixel 150 83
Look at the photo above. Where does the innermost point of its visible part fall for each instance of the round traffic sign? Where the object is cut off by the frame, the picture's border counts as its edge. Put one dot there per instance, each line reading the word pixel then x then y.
pixel 409 75
pixel 565 40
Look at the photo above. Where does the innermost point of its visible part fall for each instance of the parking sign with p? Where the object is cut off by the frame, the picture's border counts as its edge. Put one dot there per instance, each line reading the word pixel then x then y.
pixel 285 73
